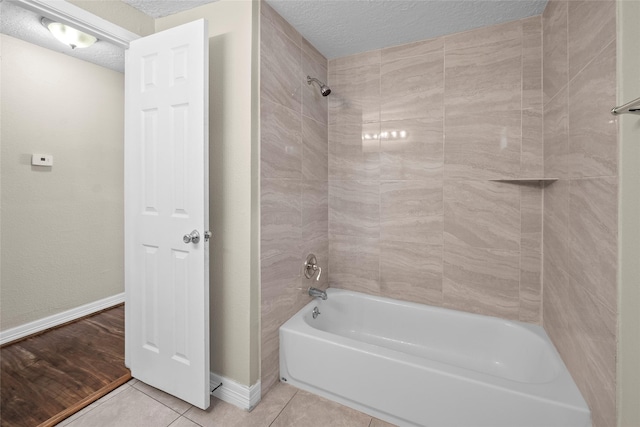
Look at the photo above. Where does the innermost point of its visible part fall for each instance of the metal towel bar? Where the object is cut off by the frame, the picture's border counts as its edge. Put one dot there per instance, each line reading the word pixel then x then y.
pixel 632 107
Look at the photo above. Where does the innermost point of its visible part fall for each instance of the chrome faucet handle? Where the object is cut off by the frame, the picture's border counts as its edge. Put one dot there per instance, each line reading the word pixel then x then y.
pixel 311 267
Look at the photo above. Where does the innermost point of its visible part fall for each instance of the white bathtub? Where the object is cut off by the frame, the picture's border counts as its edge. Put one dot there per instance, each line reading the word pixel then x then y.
pixel 417 365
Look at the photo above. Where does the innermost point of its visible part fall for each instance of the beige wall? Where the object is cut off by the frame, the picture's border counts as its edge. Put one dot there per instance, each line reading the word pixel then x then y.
pixel 62 227
pixel 629 220
pixel 120 14
pixel 233 195
pixel 581 208
pixel 418 218
pixel 293 179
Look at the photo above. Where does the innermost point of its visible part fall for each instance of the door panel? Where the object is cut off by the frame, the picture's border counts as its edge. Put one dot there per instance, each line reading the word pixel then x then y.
pixel 166 198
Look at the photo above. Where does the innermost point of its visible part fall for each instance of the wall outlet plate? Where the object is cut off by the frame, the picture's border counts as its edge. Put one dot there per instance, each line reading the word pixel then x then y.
pixel 42 160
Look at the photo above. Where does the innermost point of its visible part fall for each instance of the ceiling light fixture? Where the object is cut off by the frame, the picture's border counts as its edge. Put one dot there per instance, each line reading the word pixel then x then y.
pixel 69 35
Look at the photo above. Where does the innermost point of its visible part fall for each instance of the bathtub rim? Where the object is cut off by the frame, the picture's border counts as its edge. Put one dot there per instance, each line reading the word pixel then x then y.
pixel 561 391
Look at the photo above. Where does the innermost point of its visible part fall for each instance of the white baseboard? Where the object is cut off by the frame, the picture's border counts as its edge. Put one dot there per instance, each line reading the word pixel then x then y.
pixel 242 396
pixel 58 319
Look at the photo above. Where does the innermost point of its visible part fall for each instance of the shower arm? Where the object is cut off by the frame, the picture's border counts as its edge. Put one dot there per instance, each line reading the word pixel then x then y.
pixel 313 79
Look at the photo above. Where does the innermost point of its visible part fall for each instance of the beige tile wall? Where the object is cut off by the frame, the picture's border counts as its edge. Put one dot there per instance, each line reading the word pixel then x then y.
pixel 415 133
pixel 580 210
pixel 293 163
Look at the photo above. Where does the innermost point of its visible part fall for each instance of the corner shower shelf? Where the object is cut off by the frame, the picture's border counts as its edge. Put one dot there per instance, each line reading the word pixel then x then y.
pixel 542 182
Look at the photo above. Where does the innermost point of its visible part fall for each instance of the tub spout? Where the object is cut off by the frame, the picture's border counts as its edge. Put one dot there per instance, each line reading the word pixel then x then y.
pixel 317 293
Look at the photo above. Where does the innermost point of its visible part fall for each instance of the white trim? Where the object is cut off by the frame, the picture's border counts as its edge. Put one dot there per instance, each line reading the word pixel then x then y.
pixel 242 396
pixel 70 14
pixel 58 319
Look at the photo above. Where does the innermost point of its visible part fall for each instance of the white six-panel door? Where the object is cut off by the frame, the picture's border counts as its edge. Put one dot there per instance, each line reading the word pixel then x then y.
pixel 166 198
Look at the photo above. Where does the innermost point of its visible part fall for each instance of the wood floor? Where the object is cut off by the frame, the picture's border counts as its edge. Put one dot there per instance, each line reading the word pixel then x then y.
pixel 46 378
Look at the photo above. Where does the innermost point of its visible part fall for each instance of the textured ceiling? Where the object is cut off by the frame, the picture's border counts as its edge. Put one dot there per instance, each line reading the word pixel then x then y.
pixel 344 27
pixel 160 8
pixel 335 27
pixel 25 25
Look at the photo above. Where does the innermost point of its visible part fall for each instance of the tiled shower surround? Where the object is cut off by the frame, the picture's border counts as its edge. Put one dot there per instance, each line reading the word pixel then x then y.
pixel 404 185
pixel 293 178
pixel 581 208
pixel 416 134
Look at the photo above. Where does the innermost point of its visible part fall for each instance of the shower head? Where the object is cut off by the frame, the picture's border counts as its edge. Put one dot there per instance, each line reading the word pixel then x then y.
pixel 324 89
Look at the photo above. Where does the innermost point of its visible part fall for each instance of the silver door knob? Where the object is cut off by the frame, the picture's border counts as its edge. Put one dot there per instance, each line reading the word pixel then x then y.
pixel 194 237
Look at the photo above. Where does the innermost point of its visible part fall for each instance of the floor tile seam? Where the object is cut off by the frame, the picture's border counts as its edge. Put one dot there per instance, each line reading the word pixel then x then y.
pixel 79 417
pixel 283 408
pixel 148 395
pixel 95 404
pixel 111 394
pixel 186 418
pixel 179 415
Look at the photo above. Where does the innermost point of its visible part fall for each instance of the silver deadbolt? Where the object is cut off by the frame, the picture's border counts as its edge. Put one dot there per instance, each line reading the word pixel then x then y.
pixel 194 237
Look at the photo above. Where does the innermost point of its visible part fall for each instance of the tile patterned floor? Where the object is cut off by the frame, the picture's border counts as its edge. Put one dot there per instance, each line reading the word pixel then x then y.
pixel 136 404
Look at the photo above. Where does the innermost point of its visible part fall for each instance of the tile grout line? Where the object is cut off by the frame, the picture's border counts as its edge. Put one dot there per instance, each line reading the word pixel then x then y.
pixel 521 190
pixel 97 404
pixel 162 403
pixel 186 418
pixel 443 173
pixel 379 167
pixel 283 408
